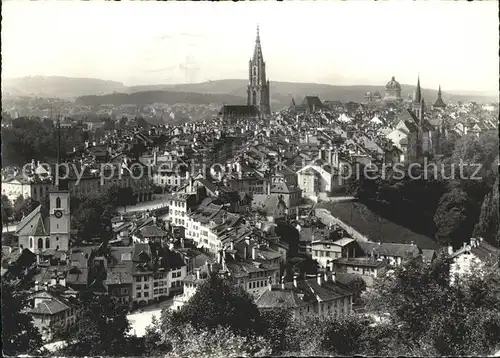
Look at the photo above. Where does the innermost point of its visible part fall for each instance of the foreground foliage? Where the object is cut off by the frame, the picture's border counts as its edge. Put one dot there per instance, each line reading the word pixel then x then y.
pixel 19 336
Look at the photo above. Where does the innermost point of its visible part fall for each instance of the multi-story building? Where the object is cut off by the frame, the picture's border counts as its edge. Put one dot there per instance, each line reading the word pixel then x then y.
pixel 157 273
pixel 34 187
pixel 320 296
pixel 54 307
pixel 180 205
pixel 476 254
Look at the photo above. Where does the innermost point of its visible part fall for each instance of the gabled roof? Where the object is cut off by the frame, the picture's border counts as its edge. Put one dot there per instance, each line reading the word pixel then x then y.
pixel 35 223
pixel 280 298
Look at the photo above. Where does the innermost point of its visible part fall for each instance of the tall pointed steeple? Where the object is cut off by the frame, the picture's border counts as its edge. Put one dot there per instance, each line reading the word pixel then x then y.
pixel 258 87
pixel 418 92
pixel 439 102
pixel 257 52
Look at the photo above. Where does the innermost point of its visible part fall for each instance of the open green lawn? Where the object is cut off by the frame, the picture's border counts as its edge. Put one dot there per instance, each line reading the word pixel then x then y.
pixel 375 227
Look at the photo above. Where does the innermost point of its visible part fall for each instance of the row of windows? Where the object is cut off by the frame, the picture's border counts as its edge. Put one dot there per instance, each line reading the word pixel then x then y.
pixel 178 204
pixel 176 284
pixel 40 243
pixel 140 278
pixel 257 284
pixel 170 182
pixel 257 274
pixel 319 253
pixel 179 221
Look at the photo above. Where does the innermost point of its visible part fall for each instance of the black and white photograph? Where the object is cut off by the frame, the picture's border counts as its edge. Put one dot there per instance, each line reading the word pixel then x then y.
pixel 250 178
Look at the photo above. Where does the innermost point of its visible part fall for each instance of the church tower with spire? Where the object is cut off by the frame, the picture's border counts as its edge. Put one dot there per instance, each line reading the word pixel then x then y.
pixel 439 102
pixel 258 86
pixel 418 104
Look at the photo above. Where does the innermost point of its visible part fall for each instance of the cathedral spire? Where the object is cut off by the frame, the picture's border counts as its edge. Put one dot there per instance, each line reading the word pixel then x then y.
pixel 257 52
pixel 418 92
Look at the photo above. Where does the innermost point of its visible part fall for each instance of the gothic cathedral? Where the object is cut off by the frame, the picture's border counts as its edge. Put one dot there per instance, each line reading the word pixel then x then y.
pixel 258 86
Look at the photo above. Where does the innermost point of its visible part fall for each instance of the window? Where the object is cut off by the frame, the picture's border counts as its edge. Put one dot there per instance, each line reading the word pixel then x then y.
pixel 146 287
pixel 146 294
pixel 40 243
pixel 47 243
pixel 58 202
pixel 138 287
pixel 138 279
pixel 31 242
pixel 138 295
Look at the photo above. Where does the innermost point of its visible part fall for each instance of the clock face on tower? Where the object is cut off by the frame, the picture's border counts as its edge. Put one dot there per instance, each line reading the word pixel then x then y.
pixel 58 214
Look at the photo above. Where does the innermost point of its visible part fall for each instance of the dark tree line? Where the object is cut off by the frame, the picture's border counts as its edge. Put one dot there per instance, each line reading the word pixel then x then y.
pixel 425 315
pixel 446 203
pixel 33 138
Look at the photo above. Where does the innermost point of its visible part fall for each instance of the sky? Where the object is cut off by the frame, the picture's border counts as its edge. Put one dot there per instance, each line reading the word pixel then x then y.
pixel 454 44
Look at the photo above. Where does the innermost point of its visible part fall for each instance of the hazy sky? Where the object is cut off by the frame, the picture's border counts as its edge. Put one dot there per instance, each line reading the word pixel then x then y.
pixel 356 42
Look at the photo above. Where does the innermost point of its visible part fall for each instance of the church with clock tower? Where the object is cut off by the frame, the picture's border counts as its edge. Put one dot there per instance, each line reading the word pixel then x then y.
pixel 258 86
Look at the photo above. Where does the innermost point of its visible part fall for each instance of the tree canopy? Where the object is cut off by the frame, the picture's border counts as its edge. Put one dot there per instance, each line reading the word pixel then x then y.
pixel 19 336
pixel 217 303
pixel 7 209
pixel 434 317
pixel 102 328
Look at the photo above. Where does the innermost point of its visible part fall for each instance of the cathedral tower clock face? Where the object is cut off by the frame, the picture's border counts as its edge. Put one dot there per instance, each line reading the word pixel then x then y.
pixel 58 214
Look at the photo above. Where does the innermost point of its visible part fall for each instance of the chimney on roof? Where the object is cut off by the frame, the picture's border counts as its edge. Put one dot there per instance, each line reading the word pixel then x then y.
pixel 197 272
pixel 450 250
pixel 254 252
pixel 282 282
pixel 334 276
pixel 295 277
pixel 62 281
pixel 232 245
pixel 318 278
pixel 270 283
pixel 325 276
pixel 53 281
pixel 37 286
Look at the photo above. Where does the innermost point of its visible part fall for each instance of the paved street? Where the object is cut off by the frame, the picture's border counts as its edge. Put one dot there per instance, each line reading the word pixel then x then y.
pixel 140 320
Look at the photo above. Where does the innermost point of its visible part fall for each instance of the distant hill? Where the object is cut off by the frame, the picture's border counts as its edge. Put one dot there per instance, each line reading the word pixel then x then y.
pixel 281 92
pixel 149 97
pixel 60 87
